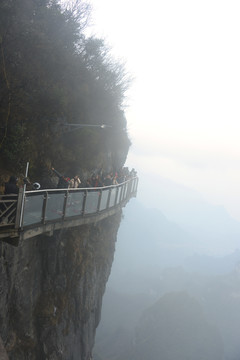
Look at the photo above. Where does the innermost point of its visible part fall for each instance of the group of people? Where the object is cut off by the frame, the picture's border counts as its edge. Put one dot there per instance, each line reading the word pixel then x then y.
pixel 98 179
pixel 11 187
pixel 66 182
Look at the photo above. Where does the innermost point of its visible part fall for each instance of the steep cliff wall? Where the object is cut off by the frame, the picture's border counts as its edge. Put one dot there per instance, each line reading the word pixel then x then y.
pixel 51 292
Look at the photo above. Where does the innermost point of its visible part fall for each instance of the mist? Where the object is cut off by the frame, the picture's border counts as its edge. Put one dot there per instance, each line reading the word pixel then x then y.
pixel 174 289
pixel 173 292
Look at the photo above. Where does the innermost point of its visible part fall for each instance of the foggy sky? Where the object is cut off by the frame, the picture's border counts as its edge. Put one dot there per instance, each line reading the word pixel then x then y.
pixel 183 114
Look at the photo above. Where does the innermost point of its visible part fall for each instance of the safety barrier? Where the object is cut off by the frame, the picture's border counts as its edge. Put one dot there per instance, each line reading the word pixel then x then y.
pixel 32 209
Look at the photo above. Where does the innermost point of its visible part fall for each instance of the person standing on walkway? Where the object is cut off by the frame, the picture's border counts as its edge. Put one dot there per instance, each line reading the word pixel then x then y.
pixel 11 186
pixel 75 182
pixel 63 182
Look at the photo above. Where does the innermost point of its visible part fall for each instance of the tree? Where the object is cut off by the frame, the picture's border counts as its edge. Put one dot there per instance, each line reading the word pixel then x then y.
pixel 50 71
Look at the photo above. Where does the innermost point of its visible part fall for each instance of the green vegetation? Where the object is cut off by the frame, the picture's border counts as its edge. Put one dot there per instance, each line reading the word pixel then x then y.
pixel 50 74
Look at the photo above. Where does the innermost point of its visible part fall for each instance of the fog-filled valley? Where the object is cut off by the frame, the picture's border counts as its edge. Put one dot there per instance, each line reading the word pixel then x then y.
pixel 174 288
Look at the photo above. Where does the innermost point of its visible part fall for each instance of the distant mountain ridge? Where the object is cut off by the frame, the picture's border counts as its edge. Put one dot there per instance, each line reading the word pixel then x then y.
pixel 213 265
pixel 212 228
pixel 157 256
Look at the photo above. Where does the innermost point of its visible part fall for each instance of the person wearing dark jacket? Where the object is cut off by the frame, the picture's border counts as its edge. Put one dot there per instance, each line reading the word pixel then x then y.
pixel 63 181
pixel 107 180
pixel 96 181
pixel 11 186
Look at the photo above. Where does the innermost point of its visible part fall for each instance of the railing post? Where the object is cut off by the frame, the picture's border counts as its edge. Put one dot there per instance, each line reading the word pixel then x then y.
pixel 124 191
pixel 136 184
pixel 115 201
pixel 99 200
pixel 45 199
pixel 133 185
pixel 19 210
pixel 84 202
pixel 108 200
pixel 23 199
pixel 120 196
pixel 129 184
pixel 65 204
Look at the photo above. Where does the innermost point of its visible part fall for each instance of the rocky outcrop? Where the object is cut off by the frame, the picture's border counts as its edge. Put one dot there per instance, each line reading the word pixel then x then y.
pixel 3 354
pixel 51 291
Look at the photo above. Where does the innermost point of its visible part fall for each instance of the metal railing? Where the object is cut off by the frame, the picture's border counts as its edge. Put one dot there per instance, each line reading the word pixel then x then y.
pixel 31 208
pixel 8 209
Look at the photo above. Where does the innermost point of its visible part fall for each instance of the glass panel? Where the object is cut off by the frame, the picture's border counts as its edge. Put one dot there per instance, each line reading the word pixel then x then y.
pixel 136 185
pixel 54 208
pixel 121 193
pixel 128 189
pixel 33 209
pixel 125 191
pixel 104 199
pixel 118 194
pixel 129 186
pixel 91 204
pixel 112 197
pixel 74 204
pixel 132 186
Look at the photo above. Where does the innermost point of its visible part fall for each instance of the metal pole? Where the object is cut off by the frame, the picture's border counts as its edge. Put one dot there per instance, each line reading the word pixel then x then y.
pixel 23 196
pixel 65 204
pixel 99 200
pixel 102 126
pixel 73 127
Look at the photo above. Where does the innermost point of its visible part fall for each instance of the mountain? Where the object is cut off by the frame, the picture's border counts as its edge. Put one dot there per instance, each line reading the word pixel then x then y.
pixel 206 264
pixel 211 227
pixel 175 328
pixel 154 257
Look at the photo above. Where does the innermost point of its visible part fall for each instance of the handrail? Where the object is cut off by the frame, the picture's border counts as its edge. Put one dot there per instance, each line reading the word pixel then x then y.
pixel 40 207
pixel 61 204
pixel 8 205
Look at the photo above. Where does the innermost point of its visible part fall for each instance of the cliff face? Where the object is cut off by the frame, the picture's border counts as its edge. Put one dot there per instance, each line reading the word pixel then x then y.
pixel 51 291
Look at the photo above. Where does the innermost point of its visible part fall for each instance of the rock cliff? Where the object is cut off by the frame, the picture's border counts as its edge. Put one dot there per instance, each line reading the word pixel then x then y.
pixel 51 291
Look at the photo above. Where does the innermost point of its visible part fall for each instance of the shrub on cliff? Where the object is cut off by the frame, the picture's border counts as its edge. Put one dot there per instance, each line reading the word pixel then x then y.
pixel 52 74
